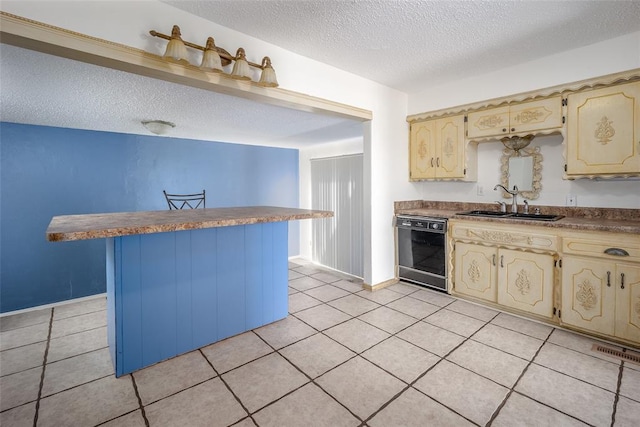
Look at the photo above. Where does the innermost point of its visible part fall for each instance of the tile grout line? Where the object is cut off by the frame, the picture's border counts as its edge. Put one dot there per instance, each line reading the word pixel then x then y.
pixel 412 383
pixel 219 375
pixel 135 388
pixel 363 423
pixel 440 308
pixel 616 398
pixel 512 389
pixel 79 354
pixel 575 378
pixel 44 367
pixel 311 380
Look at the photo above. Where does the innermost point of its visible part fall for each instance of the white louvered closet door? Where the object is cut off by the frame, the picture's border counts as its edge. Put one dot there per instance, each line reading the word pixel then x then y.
pixel 336 185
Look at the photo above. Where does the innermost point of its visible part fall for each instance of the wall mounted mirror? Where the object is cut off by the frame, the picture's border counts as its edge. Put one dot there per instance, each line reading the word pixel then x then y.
pixel 521 166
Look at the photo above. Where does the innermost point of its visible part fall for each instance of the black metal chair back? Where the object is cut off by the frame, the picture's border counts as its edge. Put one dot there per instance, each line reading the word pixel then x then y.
pixel 190 201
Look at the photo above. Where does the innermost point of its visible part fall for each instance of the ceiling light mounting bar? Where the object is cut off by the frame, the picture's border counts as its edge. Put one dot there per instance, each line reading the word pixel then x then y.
pixel 214 58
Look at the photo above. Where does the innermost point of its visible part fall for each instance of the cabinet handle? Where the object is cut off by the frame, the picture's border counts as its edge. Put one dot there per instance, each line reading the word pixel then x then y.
pixel 494 259
pixel 504 129
pixel 616 252
pixel 513 129
pixel 432 162
pixel 621 280
pixel 438 161
pixel 501 261
pixel 608 278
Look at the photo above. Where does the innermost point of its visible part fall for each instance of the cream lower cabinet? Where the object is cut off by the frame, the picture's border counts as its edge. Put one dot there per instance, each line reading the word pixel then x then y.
pixel 499 265
pixel 603 132
pixel 601 291
pixel 594 288
pixel 475 271
pixel 525 281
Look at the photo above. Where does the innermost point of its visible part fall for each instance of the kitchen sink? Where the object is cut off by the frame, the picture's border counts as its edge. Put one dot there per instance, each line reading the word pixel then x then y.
pixel 509 215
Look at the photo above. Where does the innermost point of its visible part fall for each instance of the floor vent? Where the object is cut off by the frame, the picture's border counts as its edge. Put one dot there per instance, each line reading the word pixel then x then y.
pixel 627 356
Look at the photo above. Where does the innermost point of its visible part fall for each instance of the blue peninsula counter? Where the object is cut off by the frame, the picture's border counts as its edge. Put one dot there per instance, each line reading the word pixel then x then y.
pixel 182 279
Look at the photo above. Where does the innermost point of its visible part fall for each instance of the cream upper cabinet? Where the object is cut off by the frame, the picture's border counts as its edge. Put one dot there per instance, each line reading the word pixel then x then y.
pixel 422 150
pixel 438 150
pixel 601 284
pixel 603 132
pixel 492 122
pixel 516 119
pixel 490 264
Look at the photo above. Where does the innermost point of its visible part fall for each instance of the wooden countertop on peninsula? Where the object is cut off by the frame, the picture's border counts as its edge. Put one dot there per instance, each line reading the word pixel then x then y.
pixel 97 226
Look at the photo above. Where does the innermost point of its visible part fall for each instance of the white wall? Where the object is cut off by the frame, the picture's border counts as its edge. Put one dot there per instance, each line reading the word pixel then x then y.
pixel 608 57
pixel 592 193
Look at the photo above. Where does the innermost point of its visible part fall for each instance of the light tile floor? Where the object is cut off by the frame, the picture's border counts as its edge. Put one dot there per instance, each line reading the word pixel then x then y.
pixel 402 356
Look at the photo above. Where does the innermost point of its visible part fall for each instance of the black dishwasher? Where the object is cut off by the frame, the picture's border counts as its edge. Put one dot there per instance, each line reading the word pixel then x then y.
pixel 422 250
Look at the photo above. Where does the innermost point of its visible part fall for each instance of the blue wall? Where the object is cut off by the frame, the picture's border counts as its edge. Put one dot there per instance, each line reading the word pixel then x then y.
pixel 47 171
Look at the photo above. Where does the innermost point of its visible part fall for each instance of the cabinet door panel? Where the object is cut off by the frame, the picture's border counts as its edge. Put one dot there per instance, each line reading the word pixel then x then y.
pixel 536 115
pixel 488 122
pixel 588 294
pixel 601 130
pixel 525 281
pixel 450 155
pixel 422 150
pixel 475 271
pixel 628 302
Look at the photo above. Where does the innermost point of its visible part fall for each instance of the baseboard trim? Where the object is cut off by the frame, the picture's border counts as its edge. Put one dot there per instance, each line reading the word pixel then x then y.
pixel 55 304
pixel 380 285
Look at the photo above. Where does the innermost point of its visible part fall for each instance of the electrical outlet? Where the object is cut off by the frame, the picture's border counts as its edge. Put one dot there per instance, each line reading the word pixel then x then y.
pixel 572 200
pixel 480 190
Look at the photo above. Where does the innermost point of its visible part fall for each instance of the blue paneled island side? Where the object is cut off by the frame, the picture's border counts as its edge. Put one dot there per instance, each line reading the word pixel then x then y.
pixel 180 280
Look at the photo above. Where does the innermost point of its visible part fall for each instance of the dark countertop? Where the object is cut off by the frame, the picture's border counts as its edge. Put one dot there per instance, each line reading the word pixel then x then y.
pixel 97 226
pixel 585 219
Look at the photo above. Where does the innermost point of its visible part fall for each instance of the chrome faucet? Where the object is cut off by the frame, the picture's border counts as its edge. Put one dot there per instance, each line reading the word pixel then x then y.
pixel 503 206
pixel 514 196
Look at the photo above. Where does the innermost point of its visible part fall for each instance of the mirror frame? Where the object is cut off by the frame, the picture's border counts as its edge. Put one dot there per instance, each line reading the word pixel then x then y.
pixel 536 185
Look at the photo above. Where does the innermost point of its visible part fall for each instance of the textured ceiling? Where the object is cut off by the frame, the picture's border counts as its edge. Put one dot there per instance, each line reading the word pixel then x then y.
pixel 46 90
pixel 411 44
pixel 405 44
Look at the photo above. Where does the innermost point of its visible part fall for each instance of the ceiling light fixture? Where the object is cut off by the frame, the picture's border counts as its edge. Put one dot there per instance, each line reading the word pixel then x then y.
pixel 211 58
pixel 158 127
pixel 176 49
pixel 241 70
pixel 516 143
pixel 268 76
pixel 215 57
